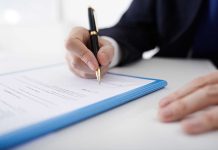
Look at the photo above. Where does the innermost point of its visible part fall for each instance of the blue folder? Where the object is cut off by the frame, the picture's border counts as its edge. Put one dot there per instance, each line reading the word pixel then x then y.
pixel 28 133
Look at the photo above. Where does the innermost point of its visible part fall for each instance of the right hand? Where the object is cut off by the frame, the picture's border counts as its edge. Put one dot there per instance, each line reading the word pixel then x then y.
pixel 81 60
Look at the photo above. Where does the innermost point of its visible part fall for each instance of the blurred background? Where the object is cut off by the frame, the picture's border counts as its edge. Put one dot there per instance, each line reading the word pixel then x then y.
pixel 38 28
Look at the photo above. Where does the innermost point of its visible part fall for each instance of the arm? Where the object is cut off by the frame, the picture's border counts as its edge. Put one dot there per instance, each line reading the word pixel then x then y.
pixel 135 32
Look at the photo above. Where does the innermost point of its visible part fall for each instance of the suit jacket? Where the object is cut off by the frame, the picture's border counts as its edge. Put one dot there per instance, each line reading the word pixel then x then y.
pixel 168 24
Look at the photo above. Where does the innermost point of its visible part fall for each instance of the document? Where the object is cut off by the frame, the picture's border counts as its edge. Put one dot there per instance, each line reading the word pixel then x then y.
pixel 32 96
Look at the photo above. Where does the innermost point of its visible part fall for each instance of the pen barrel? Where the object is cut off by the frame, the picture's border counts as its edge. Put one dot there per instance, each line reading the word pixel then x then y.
pixel 94 44
pixel 92 23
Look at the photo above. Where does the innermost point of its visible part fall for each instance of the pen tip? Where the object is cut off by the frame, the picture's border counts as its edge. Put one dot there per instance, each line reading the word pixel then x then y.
pixel 98 75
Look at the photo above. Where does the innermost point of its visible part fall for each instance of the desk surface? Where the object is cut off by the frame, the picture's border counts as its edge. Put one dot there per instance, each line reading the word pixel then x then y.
pixel 135 125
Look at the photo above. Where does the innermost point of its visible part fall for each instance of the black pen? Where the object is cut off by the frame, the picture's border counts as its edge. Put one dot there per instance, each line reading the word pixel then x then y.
pixel 94 39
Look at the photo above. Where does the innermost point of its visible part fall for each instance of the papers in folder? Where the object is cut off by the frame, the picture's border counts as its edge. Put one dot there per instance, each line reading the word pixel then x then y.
pixel 38 101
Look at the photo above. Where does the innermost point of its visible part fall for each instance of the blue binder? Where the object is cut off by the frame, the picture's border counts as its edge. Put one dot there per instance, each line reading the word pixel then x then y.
pixel 31 132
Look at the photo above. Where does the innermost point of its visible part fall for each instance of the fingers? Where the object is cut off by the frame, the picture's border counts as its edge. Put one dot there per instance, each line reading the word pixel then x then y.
pixel 184 106
pixel 189 88
pixel 80 33
pixel 88 75
pixel 80 58
pixel 76 44
pixel 106 52
pixel 81 51
pixel 78 67
pixel 206 122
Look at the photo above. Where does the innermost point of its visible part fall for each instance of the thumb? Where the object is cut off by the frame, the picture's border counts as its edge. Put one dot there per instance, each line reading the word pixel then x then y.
pixel 105 53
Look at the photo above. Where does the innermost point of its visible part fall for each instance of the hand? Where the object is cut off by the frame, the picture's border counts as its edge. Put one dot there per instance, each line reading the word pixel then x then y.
pixel 200 94
pixel 81 60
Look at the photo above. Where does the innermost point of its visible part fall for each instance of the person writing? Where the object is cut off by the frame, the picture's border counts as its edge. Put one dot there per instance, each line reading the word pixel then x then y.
pixel 180 28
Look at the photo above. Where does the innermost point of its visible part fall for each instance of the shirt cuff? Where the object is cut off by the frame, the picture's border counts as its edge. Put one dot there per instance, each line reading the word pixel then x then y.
pixel 117 53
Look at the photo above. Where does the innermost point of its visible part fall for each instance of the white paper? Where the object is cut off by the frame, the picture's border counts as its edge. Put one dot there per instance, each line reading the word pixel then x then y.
pixel 33 96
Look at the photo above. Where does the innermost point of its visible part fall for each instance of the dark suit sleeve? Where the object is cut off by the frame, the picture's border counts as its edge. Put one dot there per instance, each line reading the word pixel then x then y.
pixel 135 32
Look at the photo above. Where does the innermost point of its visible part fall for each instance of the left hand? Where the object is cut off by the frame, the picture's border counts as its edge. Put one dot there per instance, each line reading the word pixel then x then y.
pixel 198 95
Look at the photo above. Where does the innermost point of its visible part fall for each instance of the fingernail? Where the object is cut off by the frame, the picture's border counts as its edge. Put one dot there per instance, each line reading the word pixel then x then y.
pixel 166 114
pixel 92 66
pixel 193 125
pixel 165 101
